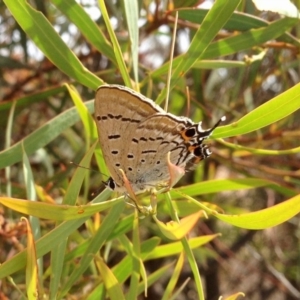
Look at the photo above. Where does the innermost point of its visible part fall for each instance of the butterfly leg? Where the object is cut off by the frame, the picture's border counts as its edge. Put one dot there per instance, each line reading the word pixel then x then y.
pixel 153 201
pixel 142 209
pixel 129 189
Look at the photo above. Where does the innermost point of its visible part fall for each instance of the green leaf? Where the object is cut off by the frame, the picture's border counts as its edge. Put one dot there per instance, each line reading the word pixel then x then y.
pixel 262 219
pixel 112 285
pixel 137 266
pixel 131 13
pixel 57 212
pixel 174 278
pixel 116 47
pixel 237 22
pixel 212 23
pixel 176 248
pixel 86 25
pixel 49 241
pixel 40 95
pixel 220 185
pixel 40 30
pixel 97 241
pixel 85 115
pixel 31 266
pixel 270 112
pixel 234 44
pixel 241 150
pixel 42 136
pixel 265 218
pixel 71 196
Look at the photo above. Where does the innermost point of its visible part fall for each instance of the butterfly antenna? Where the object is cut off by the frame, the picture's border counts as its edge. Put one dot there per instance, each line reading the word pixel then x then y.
pixel 79 166
pixel 216 125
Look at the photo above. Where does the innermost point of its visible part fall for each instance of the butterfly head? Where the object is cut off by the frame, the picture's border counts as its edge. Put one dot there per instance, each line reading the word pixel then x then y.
pixel 194 137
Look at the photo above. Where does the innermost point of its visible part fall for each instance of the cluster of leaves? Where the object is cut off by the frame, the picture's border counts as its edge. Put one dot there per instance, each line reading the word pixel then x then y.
pixel 235 64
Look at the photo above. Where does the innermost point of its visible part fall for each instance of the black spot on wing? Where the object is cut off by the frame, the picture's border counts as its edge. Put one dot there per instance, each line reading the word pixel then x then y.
pixel 148 151
pixel 113 137
pixel 130 120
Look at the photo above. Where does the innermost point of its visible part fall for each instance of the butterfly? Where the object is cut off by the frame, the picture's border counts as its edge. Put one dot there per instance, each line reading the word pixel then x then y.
pixel 136 136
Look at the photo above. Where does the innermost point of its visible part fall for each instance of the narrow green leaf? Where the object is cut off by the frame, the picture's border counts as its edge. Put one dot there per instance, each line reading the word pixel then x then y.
pixel 235 43
pixel 48 241
pixel 31 193
pixel 116 46
pixel 217 64
pixel 194 267
pixel 31 266
pixel 85 115
pixel 123 227
pixel 57 212
pixel 123 270
pixel 220 185
pixel 97 241
pixel 75 184
pixel 71 196
pixel 155 277
pixel 237 22
pixel 131 12
pixel 174 278
pixel 39 29
pixel 264 218
pixel 8 136
pixel 212 23
pixel 134 255
pixel 57 266
pixel 42 136
pixel 242 149
pixel 86 25
pixel 40 95
pixel 176 247
pixel 187 249
pixel 270 112
pixel 112 285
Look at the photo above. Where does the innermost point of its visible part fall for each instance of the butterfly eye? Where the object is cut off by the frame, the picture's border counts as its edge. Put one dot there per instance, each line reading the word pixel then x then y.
pixel 190 132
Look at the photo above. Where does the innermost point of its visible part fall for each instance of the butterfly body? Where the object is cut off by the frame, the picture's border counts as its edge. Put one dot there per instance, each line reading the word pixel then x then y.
pixel 136 136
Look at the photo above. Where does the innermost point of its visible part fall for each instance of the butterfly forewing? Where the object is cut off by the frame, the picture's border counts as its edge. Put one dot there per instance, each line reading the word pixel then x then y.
pixel 118 111
pixel 136 136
